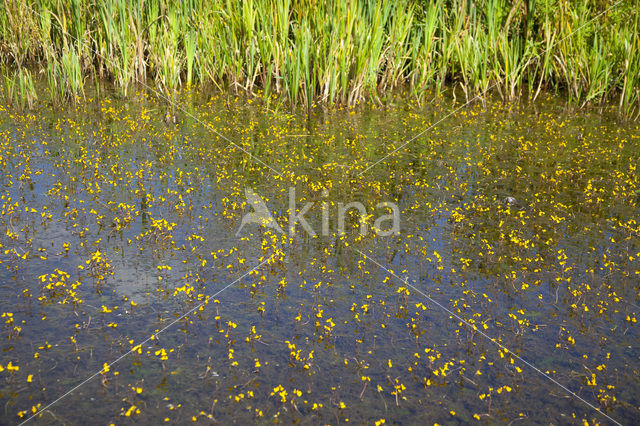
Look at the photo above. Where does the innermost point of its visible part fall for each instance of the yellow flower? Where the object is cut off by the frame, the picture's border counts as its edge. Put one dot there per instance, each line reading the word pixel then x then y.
pixel 130 411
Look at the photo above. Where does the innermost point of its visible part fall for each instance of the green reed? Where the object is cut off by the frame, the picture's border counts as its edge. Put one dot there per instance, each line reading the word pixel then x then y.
pixel 20 89
pixel 334 51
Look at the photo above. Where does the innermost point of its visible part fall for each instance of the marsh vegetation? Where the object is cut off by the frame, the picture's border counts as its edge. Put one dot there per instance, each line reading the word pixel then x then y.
pixel 337 51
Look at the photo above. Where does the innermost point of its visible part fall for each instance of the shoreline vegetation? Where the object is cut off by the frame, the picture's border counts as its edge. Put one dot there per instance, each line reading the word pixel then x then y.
pixel 335 51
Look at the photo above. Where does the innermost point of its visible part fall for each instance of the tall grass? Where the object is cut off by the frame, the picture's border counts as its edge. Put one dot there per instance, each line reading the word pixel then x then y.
pixel 20 89
pixel 332 51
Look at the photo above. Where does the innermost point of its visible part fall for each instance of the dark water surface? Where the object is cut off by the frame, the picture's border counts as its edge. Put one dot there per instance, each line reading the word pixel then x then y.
pixel 521 221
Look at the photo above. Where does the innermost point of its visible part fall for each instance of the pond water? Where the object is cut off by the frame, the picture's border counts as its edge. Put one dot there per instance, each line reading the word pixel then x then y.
pixel 129 293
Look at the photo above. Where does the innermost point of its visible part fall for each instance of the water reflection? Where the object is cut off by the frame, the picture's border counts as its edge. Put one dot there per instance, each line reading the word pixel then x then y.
pixel 115 224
